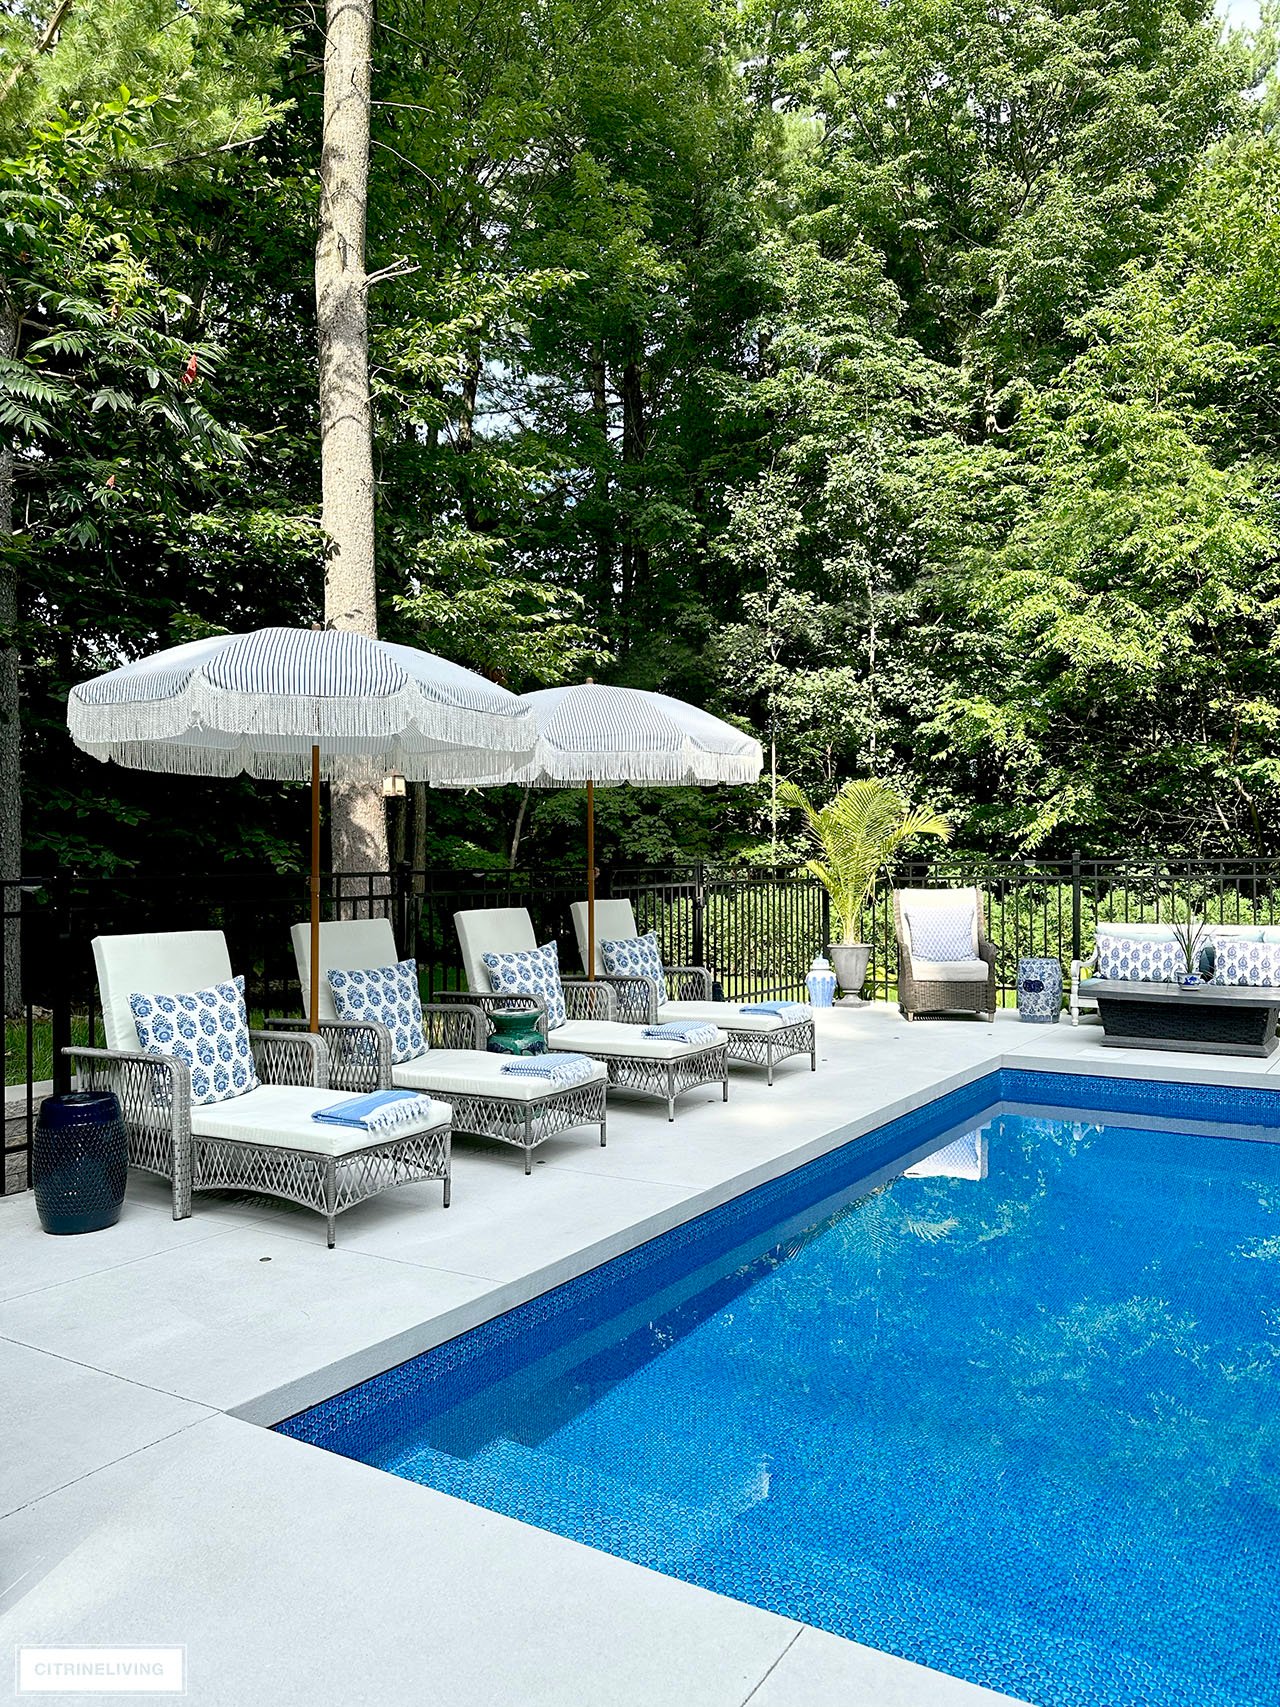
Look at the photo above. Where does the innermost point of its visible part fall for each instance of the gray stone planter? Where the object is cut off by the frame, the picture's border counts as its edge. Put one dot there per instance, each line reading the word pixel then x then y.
pixel 851 960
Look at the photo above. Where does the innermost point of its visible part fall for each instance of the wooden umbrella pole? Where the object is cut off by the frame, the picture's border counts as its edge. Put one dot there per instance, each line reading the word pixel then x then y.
pixel 314 1018
pixel 591 881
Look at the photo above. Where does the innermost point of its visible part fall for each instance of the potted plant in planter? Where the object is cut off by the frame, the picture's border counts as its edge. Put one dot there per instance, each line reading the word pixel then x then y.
pixel 857 835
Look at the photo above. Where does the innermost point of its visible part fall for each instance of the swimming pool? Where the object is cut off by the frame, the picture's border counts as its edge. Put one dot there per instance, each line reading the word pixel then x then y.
pixel 993 1388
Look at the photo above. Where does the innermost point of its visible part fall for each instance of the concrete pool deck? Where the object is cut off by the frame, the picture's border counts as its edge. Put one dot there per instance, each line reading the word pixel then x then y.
pixel 142 1504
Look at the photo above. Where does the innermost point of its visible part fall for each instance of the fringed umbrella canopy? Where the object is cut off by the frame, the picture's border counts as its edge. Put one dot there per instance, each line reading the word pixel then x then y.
pixel 261 702
pixel 297 704
pixel 595 734
pixel 606 735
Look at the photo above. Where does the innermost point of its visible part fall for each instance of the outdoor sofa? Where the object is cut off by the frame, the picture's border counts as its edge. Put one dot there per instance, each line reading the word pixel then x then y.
pixel 486 1102
pixel 757 1039
pixel 945 963
pixel 1083 1006
pixel 662 1067
pixel 263 1139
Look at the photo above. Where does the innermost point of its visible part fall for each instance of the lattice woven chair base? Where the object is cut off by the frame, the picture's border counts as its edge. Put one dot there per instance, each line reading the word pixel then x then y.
pixel 528 1124
pixel 668 1079
pixel 328 1184
pixel 767 1048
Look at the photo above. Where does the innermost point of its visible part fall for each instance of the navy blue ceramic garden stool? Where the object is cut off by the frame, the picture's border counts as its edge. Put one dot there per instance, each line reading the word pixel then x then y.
pixel 79 1162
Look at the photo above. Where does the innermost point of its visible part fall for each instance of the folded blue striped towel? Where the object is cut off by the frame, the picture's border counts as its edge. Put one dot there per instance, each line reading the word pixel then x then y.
pixel 380 1111
pixel 558 1069
pixel 783 1010
pixel 683 1031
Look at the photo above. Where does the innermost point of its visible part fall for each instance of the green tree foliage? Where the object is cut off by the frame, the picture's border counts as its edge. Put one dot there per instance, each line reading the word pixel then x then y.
pixel 896 377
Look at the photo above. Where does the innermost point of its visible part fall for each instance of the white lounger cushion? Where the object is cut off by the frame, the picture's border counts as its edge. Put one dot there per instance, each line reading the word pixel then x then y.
pixel 472 1072
pixel 727 1015
pixel 155 963
pixel 281 1114
pixel 949 971
pixel 615 921
pixel 346 945
pixel 612 1037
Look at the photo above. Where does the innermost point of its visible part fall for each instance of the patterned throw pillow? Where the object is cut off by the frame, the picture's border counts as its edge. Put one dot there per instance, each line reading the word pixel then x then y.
pixel 1140 960
pixel 389 996
pixel 636 957
pixel 535 972
pixel 1241 962
pixel 208 1030
pixel 941 933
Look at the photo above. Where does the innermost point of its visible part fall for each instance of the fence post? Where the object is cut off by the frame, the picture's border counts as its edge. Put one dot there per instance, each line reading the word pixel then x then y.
pixel 401 889
pixel 699 907
pixel 1075 903
pixel 60 1017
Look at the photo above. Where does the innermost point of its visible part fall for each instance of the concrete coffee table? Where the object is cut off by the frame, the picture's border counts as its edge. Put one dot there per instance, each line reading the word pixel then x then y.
pixel 1211 1019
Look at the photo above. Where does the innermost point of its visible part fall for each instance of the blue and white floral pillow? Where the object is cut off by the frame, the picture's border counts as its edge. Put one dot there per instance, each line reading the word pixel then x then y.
pixel 1140 960
pixel 208 1030
pixel 1240 962
pixel 534 972
pixel 386 995
pixel 636 957
pixel 942 933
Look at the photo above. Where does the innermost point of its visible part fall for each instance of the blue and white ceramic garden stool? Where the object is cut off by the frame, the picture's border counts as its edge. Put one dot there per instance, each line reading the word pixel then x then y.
pixel 1039 991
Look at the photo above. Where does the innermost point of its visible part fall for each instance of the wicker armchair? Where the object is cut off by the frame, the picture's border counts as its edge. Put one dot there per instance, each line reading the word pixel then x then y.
pixel 262 1140
pixel 755 1039
pixel 652 1066
pixel 935 987
pixel 486 1102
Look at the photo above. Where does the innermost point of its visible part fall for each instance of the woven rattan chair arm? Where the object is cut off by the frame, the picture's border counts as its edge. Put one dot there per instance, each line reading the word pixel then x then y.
pixel 290 1058
pixel 987 951
pixel 455 1025
pixel 700 975
pixel 359 1051
pixel 143 1083
pixel 588 998
pixel 636 996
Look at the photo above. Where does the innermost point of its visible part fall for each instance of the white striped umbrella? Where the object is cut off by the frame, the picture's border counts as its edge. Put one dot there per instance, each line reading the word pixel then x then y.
pixel 295 703
pixel 596 734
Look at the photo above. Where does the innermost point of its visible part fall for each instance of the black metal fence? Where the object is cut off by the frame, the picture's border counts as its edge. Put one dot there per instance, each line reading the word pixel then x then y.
pixel 757 931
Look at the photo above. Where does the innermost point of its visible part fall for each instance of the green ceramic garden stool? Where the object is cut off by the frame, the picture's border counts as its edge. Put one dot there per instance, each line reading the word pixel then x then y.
pixel 516 1033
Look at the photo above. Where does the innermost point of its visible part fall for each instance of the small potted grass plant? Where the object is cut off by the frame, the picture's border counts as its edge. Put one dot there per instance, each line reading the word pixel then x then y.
pixel 1189 934
pixel 857 834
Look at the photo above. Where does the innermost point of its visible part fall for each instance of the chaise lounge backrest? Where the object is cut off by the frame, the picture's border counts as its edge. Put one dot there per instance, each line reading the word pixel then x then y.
pixel 345 944
pixel 163 963
pixel 491 930
pixel 615 920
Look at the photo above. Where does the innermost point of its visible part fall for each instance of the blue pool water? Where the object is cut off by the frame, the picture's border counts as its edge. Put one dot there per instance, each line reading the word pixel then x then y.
pixel 1010 1413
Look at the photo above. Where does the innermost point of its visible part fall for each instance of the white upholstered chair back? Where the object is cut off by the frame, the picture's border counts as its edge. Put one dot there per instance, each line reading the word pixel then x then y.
pixel 920 900
pixel 614 920
pixel 154 963
pixel 491 930
pixel 346 945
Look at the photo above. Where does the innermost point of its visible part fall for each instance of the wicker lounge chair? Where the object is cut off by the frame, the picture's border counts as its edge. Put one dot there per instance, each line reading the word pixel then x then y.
pixel 486 1102
pixel 962 985
pixel 263 1140
pixel 652 1066
pixel 754 1039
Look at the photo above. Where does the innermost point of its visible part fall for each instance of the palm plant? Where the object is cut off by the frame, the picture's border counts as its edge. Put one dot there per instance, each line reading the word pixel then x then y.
pixel 856 836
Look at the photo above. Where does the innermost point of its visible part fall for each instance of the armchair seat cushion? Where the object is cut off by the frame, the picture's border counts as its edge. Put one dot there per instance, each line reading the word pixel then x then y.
pixel 613 1037
pixel 724 1014
pixel 472 1072
pixel 949 971
pixel 281 1115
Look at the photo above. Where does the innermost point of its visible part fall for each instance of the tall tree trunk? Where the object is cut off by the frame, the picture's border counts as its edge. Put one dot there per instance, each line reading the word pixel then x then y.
pixel 10 725
pixel 603 518
pixel 634 558
pixel 358 817
pixel 466 437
